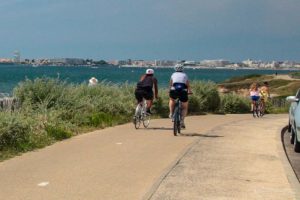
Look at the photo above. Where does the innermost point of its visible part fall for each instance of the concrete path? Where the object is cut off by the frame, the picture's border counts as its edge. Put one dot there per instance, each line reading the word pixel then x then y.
pixel 218 157
pixel 240 160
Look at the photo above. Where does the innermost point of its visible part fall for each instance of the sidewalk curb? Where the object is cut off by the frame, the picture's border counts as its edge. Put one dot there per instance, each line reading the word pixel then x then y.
pixel 291 176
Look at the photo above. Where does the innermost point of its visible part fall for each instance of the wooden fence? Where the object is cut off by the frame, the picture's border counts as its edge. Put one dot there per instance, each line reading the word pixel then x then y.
pixel 7 103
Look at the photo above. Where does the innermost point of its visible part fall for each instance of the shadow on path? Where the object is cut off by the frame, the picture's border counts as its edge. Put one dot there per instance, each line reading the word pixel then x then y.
pixel 159 128
pixel 199 135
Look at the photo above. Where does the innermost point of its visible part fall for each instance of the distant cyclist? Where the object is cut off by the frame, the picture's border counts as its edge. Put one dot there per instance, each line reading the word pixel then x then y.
pixel 254 94
pixel 179 88
pixel 144 89
pixel 264 94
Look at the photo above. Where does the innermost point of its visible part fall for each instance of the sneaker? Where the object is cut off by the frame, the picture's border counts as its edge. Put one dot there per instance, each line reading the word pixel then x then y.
pixel 170 115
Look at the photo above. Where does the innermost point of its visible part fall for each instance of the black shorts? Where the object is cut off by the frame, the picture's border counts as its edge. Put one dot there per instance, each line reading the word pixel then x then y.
pixel 182 95
pixel 143 93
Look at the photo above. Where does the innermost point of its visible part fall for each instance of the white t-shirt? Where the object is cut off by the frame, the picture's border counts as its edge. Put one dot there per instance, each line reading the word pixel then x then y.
pixel 179 77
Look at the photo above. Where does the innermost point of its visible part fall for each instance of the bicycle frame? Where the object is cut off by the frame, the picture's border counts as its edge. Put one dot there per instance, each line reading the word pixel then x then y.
pixel 257 109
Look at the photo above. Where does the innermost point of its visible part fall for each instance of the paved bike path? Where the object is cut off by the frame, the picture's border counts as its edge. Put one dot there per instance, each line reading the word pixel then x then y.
pixel 114 163
pixel 124 163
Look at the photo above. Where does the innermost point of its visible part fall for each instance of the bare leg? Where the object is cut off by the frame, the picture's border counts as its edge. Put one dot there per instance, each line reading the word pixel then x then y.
pixel 149 104
pixel 171 106
pixel 185 106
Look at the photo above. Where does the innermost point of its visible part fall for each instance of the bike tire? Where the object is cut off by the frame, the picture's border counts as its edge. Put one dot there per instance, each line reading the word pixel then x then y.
pixel 137 117
pixel 258 112
pixel 137 122
pixel 178 126
pixel 175 128
pixel 175 121
pixel 146 120
pixel 254 113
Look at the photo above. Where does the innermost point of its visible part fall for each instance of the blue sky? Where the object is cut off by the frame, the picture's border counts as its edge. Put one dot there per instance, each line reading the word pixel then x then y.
pixel 151 29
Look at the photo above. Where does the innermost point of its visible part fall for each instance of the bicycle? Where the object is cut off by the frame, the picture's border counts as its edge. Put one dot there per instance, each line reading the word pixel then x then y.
pixel 141 115
pixel 177 118
pixel 257 109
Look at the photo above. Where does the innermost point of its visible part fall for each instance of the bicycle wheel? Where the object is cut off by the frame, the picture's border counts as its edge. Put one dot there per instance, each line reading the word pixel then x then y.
pixel 176 123
pixel 179 124
pixel 258 110
pixel 137 122
pixel 137 117
pixel 262 110
pixel 175 127
pixel 146 119
pixel 255 110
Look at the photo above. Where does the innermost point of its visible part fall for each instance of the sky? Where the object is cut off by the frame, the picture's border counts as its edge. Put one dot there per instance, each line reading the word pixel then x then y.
pixel 233 30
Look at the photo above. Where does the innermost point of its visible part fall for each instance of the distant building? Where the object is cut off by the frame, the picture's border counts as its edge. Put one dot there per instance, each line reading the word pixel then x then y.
pixel 6 61
pixel 67 61
pixel 215 63
pixel 17 57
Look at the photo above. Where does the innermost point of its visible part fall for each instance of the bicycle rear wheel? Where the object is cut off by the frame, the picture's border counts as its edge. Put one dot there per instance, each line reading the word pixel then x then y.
pixel 137 122
pixel 137 117
pixel 262 110
pixel 175 128
pixel 146 120
pixel 176 123
pixel 258 109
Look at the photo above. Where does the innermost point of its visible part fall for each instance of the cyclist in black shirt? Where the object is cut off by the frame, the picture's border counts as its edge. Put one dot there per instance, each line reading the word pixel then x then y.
pixel 144 89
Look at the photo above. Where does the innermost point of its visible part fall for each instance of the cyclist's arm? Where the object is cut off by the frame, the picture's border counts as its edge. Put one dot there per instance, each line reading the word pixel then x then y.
pixel 142 77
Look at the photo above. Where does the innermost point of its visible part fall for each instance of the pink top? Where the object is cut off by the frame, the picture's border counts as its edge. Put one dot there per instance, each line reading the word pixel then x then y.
pixel 254 93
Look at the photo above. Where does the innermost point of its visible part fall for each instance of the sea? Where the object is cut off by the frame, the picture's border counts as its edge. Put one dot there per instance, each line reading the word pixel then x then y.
pixel 12 75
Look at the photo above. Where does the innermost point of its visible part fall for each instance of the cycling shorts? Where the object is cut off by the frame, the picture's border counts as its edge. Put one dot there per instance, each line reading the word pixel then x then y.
pixel 255 98
pixel 145 93
pixel 182 95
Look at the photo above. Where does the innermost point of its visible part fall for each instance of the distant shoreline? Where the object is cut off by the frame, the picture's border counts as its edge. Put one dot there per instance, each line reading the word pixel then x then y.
pixel 155 67
pixel 204 67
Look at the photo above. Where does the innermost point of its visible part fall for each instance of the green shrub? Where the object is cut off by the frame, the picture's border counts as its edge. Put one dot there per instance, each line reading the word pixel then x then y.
pixel 232 103
pixel 15 131
pixel 205 97
pixel 161 105
pixel 58 132
pixel 39 90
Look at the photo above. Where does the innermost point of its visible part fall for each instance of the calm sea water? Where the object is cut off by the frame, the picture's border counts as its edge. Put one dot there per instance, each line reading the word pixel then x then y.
pixel 11 75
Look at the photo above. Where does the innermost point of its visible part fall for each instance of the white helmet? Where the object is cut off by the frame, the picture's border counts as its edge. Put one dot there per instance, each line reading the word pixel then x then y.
pixel 149 71
pixel 178 67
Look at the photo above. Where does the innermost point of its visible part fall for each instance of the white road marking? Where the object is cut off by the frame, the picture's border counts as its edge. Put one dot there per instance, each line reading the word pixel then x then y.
pixel 43 184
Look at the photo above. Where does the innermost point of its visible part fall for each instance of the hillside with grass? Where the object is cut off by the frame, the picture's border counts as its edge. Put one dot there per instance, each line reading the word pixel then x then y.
pixel 281 86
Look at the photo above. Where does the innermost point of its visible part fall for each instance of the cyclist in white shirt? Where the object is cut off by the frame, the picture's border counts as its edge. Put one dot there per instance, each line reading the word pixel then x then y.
pixel 179 88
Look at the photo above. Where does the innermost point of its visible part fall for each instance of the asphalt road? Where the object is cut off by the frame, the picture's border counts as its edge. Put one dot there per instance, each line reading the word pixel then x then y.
pixel 217 157
pixel 293 157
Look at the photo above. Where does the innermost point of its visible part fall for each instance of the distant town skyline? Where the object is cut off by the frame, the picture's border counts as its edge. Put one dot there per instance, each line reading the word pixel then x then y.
pixel 164 30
